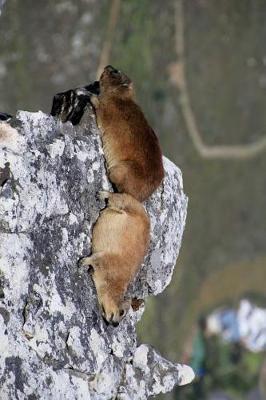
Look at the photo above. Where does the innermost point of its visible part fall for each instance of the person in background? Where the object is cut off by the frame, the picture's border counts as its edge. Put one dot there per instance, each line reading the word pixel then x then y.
pixel 198 358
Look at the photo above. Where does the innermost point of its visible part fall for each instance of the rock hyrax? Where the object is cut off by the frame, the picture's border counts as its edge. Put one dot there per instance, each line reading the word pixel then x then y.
pixel 132 150
pixel 120 241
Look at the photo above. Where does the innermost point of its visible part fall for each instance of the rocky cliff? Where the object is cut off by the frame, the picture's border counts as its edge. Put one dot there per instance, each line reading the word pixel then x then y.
pixel 53 341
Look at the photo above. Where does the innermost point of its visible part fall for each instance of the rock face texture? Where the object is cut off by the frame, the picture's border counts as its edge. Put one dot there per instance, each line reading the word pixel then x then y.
pixel 53 341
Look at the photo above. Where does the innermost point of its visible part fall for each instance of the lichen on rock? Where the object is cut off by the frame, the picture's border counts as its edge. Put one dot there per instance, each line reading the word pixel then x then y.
pixel 53 341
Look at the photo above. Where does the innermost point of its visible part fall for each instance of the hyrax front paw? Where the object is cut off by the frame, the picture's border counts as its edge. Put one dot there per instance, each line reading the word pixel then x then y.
pixel 136 304
pixel 85 262
pixel 95 260
pixel 104 194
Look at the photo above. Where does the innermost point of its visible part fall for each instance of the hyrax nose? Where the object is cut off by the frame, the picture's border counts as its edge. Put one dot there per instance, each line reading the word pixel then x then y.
pixel 105 320
pixel 109 68
pixel 113 323
pixel 110 321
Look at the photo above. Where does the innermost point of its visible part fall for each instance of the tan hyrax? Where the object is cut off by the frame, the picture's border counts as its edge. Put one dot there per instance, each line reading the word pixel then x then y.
pixel 132 150
pixel 120 241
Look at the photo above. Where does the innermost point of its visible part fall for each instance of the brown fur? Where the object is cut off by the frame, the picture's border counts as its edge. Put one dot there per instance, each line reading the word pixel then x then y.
pixel 119 243
pixel 132 150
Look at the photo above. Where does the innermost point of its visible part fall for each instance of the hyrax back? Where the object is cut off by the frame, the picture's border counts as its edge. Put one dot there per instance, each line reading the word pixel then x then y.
pixel 119 243
pixel 132 150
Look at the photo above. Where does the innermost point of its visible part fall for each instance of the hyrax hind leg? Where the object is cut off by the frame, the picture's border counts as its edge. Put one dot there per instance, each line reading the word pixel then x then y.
pixel 92 261
pixel 114 201
pixel 123 203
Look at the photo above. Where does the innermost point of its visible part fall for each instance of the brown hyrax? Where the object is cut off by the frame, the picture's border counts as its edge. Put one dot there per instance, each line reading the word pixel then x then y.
pixel 131 148
pixel 120 241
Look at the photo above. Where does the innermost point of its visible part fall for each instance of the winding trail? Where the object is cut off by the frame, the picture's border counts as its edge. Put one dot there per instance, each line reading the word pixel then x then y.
pixel 177 72
pixel 109 36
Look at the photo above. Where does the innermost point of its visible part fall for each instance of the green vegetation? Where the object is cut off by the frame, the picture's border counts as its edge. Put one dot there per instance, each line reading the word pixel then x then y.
pixel 228 367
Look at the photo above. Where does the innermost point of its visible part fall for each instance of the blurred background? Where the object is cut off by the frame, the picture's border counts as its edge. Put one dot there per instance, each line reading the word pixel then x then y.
pixel 199 68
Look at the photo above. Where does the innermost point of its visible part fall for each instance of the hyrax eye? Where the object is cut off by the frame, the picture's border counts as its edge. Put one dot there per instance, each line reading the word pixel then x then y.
pixel 122 312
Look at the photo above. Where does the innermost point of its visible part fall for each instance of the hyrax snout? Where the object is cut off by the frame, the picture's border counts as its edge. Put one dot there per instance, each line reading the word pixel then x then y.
pixel 120 241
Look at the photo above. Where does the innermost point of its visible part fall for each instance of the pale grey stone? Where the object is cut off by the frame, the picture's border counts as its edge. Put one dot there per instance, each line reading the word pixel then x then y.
pixel 53 341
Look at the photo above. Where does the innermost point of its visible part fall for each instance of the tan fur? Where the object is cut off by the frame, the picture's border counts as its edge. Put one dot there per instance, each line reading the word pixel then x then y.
pixel 131 148
pixel 119 243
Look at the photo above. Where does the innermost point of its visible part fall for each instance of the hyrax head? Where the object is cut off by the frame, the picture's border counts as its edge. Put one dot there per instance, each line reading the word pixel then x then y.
pixel 113 80
pixel 113 308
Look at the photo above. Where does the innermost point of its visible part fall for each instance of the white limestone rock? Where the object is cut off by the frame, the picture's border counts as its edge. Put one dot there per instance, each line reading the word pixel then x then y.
pixel 53 341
